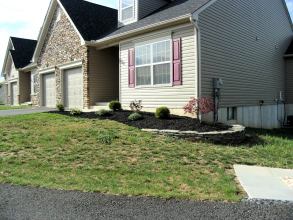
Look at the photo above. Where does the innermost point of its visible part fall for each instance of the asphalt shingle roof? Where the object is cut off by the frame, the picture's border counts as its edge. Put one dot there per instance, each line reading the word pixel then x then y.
pixel 171 10
pixel 24 50
pixel 91 20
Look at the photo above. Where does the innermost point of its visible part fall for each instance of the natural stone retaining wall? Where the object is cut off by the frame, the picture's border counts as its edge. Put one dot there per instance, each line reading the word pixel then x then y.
pixel 235 135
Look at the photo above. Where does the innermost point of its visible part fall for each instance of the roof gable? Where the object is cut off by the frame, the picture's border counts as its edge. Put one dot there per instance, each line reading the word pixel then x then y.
pixel 19 51
pixel 172 10
pixel 23 51
pixel 88 19
pixel 91 20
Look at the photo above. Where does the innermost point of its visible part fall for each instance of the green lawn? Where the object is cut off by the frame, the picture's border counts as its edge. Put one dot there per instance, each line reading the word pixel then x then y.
pixel 62 152
pixel 4 107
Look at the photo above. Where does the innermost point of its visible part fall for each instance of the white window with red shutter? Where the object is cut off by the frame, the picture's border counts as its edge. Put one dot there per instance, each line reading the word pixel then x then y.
pixel 156 63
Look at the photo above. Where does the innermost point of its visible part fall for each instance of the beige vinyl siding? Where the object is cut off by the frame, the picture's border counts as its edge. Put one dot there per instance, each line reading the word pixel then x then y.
pixel 146 7
pixel 252 70
pixel 104 75
pixel 155 96
pixel 13 73
pixel 289 81
pixel 24 87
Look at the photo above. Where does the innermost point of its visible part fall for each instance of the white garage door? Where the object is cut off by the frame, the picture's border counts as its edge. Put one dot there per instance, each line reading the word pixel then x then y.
pixel 73 88
pixel 49 88
pixel 14 96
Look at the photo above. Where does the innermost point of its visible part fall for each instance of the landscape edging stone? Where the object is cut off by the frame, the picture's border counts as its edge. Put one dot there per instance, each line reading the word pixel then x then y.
pixel 235 134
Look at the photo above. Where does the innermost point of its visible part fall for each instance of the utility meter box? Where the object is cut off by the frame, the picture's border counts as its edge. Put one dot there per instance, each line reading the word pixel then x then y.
pixel 290 121
pixel 218 83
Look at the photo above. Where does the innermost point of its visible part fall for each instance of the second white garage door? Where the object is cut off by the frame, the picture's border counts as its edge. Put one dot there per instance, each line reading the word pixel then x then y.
pixel 49 88
pixel 73 88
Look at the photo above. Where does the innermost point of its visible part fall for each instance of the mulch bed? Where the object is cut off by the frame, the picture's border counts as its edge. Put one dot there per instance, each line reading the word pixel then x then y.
pixel 149 121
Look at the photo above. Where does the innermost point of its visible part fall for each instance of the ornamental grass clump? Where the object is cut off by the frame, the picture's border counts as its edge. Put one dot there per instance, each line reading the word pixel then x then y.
pixel 115 105
pixel 103 112
pixel 60 107
pixel 134 117
pixel 75 112
pixel 162 113
pixel 136 105
pixel 202 105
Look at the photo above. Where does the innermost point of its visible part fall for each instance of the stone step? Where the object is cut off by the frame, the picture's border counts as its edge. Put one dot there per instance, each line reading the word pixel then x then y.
pixel 99 107
pixel 26 103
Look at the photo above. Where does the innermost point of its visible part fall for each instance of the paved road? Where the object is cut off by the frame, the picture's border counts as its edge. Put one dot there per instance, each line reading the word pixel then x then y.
pixel 24 111
pixel 22 202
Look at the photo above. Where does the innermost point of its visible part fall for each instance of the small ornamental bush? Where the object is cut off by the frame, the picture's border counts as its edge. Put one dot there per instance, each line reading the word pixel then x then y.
pixel 115 105
pixel 102 112
pixel 162 112
pixel 60 107
pixel 134 117
pixel 75 112
pixel 136 105
pixel 202 105
pixel 2 103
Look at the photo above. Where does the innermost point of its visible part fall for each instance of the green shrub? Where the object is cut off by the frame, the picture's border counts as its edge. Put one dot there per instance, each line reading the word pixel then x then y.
pixel 134 117
pixel 75 112
pixel 60 107
pixel 162 112
pixel 115 105
pixel 102 112
pixel 2 103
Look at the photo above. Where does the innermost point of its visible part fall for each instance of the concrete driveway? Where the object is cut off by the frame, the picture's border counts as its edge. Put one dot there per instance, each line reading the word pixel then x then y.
pixel 24 111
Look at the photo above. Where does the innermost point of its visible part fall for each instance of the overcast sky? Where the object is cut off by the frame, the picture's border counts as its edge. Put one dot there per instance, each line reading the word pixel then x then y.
pixel 23 18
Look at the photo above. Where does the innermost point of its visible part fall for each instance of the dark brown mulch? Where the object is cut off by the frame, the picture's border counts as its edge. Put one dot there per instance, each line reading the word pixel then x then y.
pixel 149 121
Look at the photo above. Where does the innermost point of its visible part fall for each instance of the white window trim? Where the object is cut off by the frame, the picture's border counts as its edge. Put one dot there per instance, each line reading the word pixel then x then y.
pixel 129 19
pixel 151 64
pixel 58 18
pixel 34 74
pixel 47 70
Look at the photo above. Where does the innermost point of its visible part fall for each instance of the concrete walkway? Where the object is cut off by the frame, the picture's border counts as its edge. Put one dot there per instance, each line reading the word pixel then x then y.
pixel 24 111
pixel 264 182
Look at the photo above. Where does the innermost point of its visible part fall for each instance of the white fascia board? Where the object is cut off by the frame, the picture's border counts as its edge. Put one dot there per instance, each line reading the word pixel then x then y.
pixel 70 65
pixel 47 70
pixel 288 55
pixel 9 47
pixel 64 10
pixel 44 30
pixel 29 67
pixel 195 14
pixel 116 37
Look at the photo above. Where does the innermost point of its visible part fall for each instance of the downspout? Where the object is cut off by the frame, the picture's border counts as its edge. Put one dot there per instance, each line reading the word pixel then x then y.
pixel 195 24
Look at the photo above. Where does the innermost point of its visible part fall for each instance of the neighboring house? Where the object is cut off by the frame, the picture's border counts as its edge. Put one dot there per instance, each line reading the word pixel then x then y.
pixel 18 82
pixel 2 94
pixel 164 52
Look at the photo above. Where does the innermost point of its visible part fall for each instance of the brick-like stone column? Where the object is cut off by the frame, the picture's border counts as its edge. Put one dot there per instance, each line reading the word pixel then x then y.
pixel 86 82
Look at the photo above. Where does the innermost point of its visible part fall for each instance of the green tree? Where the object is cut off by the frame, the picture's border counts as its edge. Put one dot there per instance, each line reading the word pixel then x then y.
pixel 1 84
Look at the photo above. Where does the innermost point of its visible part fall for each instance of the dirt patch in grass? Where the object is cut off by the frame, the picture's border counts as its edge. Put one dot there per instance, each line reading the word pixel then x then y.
pixel 149 121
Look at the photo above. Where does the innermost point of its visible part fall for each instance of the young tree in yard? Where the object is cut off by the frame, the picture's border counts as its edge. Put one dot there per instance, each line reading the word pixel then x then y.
pixel 202 105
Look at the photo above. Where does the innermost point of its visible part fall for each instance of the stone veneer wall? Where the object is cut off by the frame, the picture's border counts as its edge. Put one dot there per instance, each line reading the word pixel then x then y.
pixel 62 45
pixel 6 94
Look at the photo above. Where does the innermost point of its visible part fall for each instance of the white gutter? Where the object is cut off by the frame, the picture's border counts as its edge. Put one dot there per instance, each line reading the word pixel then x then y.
pixel 198 50
pixel 138 30
pixel 288 55
pixel 29 67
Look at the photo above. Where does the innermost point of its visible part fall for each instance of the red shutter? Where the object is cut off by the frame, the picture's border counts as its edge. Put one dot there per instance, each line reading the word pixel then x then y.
pixel 131 68
pixel 177 72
